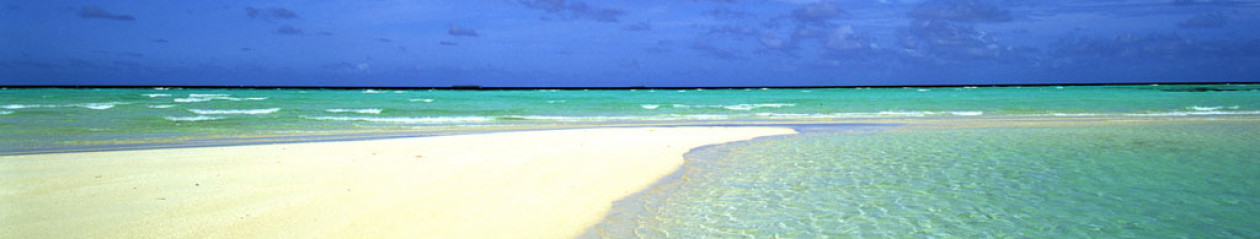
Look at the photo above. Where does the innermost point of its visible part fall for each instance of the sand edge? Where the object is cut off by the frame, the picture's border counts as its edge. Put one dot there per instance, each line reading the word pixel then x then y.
pixel 525 184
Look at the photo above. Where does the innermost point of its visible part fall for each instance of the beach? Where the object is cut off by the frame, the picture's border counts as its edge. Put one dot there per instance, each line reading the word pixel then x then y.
pixel 524 184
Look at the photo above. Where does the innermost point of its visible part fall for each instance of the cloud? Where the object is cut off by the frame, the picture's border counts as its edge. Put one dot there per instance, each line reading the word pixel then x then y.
pixel 462 32
pixel 944 39
pixel 346 67
pixel 733 30
pixel 1182 3
pixel 270 13
pixel 384 40
pixel 960 10
pixel 1153 46
pixel 447 43
pixel 710 50
pixel 844 38
pixel 727 13
pixel 641 26
pixel 98 12
pixel 288 30
pixel 571 10
pixel 1209 20
pixel 819 13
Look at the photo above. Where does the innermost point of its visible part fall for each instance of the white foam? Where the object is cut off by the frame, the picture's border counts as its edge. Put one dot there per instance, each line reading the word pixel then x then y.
pixel 360 111
pixel 923 90
pixel 403 120
pixel 5 112
pixel 1192 113
pixel 160 106
pixel 157 95
pixel 190 100
pixel 736 106
pixel 16 106
pixel 235 112
pixel 97 106
pixel 649 107
pixel 207 95
pixel 195 118
pixel 421 100
pixel 557 101
pixel 1206 108
pixel 967 113
pixel 371 92
pixel 161 88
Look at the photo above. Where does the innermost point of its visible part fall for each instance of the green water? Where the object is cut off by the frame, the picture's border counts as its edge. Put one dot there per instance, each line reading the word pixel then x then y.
pixel 51 119
pixel 1186 180
pixel 1187 166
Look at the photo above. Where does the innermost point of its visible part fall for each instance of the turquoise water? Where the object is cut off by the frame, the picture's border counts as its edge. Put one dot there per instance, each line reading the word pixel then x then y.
pixel 1187 180
pixel 1185 166
pixel 43 119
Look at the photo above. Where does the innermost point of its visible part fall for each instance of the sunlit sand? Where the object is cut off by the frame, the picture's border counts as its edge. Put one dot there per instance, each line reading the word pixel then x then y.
pixel 531 184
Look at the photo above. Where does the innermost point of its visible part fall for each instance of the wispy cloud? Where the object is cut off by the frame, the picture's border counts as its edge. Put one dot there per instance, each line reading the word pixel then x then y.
pixel 100 13
pixel 961 11
pixel 571 10
pixel 461 32
pixel 288 30
pixel 819 13
pixel 641 26
pixel 271 13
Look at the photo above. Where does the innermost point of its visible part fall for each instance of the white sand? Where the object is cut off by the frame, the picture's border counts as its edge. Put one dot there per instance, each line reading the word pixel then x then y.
pixel 535 184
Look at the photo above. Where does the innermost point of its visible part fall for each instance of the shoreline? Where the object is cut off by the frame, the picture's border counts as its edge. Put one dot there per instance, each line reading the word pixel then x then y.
pixel 361 135
pixel 521 184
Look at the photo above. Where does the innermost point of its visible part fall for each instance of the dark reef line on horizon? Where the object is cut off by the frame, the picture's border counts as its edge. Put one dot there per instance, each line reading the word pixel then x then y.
pixel 478 87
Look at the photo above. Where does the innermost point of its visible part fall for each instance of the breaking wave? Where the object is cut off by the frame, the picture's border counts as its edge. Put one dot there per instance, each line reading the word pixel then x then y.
pixel 404 120
pixel 235 112
pixel 360 111
pixel 735 106
pixel 195 118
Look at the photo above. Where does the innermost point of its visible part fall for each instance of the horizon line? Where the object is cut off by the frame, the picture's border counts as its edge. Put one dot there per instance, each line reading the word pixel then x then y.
pixel 480 87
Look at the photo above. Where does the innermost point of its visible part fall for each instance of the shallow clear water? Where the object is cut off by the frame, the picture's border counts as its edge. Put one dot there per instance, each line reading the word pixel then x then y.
pixel 1193 180
pixel 31 119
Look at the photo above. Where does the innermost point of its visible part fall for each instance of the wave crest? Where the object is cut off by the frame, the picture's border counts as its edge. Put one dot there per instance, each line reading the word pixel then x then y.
pixel 235 112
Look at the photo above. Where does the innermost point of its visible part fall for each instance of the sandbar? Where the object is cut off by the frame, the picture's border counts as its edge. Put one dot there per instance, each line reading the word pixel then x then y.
pixel 525 184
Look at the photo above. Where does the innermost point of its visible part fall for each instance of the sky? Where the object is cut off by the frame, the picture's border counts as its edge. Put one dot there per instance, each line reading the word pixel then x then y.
pixel 653 43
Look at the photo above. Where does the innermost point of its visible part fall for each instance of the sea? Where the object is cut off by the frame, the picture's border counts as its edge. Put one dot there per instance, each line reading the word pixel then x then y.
pixel 1107 161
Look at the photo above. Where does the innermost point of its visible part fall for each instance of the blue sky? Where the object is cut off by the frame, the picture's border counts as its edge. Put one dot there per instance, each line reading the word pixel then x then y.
pixel 626 43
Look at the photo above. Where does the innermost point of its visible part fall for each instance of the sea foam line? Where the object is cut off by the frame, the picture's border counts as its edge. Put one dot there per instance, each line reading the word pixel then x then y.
pixel 735 106
pixel 195 118
pixel 235 112
pixel 360 111
pixel 95 106
pixel 192 98
pixel 403 120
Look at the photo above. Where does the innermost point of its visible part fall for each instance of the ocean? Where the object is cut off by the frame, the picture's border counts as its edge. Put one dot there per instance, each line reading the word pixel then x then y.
pixel 1157 180
pixel 63 119
pixel 1129 161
